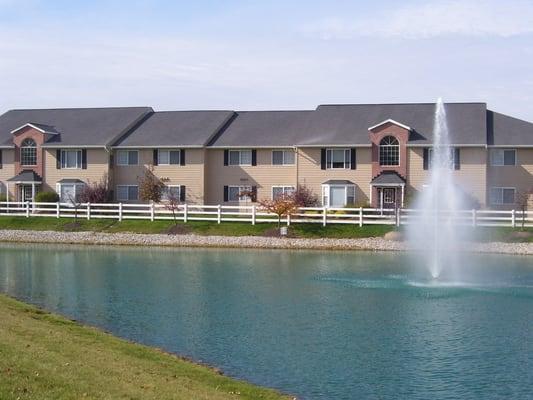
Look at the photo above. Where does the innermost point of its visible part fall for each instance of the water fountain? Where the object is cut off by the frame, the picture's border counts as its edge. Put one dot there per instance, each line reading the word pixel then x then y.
pixel 435 232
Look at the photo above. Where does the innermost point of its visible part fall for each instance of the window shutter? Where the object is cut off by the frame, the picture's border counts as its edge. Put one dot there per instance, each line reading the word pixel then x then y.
pixel 426 158
pixel 84 159
pixel 111 160
pixel 226 194
pixel 254 193
pixel 352 158
pixel 322 158
pixel 254 157
pixel 0 158
pixel 182 193
pixel 58 159
pixel 182 157
pixel 226 158
pixel 456 158
pixel 156 157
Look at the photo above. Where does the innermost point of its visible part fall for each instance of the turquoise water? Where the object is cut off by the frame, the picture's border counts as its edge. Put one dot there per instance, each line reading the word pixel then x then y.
pixel 314 324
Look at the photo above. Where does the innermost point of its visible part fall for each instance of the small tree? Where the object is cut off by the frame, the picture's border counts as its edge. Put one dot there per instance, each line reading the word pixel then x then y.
pixel 95 192
pixel 522 200
pixel 304 197
pixel 74 200
pixel 150 186
pixel 173 204
pixel 282 205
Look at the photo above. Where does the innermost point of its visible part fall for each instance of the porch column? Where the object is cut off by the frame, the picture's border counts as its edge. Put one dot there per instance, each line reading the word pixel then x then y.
pixel 403 194
pixel 7 196
pixel 371 190
pixel 380 198
pixel 32 197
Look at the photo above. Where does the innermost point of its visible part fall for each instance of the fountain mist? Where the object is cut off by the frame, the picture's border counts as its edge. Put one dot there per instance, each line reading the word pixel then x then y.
pixel 435 231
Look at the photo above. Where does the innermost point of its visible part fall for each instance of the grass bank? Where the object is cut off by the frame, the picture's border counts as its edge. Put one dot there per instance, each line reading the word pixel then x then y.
pixel 197 227
pixel 45 356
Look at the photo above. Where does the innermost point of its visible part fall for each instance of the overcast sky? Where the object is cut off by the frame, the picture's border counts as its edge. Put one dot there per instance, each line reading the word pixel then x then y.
pixel 265 54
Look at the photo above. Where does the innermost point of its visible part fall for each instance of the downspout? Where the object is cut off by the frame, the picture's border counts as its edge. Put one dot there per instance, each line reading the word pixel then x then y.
pixel 296 155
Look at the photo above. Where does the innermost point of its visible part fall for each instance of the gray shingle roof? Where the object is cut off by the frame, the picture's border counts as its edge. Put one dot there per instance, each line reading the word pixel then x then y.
pixel 176 128
pixel 265 128
pixel 26 176
pixel 388 178
pixel 348 124
pixel 508 131
pixel 76 126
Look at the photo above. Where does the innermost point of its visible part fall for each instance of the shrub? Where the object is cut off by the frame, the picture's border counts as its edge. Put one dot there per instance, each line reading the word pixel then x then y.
pixel 3 197
pixel 46 197
pixel 150 186
pixel 304 197
pixel 95 192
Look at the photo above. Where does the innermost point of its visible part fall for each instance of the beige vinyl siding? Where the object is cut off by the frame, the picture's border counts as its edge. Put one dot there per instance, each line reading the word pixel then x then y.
pixel 264 175
pixel 191 174
pixel 7 171
pixel 472 175
pixel 311 175
pixel 519 176
pixel 97 168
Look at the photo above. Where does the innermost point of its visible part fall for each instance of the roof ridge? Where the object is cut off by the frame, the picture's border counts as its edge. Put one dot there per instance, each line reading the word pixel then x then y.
pixel 399 104
pixel 76 108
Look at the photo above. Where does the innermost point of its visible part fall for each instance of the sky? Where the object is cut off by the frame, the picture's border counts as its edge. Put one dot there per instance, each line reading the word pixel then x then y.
pixel 256 55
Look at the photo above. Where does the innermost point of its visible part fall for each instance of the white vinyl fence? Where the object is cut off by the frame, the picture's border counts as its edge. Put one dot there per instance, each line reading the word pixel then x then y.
pixel 254 214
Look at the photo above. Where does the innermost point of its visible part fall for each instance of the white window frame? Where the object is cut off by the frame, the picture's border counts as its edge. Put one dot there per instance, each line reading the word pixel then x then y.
pixel 347 158
pixel 502 151
pixel 287 190
pixel 26 147
pixel 326 194
pixel 283 162
pixel 165 190
pixel 389 145
pixel 128 163
pixel 240 157
pixel 500 202
pixel 168 151
pixel 451 159
pixel 127 186
pixel 78 158
pixel 241 188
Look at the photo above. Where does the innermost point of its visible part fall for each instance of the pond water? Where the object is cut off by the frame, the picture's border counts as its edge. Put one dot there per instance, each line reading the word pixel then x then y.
pixel 319 325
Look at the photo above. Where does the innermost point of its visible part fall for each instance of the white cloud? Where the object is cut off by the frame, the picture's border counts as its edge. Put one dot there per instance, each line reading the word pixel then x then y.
pixel 432 19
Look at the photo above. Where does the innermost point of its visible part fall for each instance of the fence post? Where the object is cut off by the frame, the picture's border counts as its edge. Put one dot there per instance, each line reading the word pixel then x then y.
pixel 88 210
pixel 513 218
pixel 253 214
pixel 152 211
pixel 360 216
pixel 324 216
pixel 58 210
pixel 185 212
pixel 474 217
pixel 120 211
pixel 27 209
pixel 398 216
pixel 219 214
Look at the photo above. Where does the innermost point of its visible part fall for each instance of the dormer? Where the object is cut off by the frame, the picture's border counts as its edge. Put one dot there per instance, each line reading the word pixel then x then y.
pixel 27 140
pixel 46 130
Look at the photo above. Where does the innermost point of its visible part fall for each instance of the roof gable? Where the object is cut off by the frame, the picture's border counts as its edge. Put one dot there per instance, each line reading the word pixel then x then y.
pixel 389 121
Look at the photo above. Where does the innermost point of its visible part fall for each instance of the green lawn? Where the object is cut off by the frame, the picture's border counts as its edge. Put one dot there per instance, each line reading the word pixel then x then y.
pixel 44 356
pixel 198 227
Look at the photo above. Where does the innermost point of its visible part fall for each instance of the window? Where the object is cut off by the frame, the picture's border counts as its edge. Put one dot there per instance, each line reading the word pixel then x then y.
pixel 127 157
pixel 237 193
pixel 501 157
pixel 281 190
pixel 338 195
pixel 168 157
pixel 71 159
pixel 28 152
pixel 338 158
pixel 389 151
pixel 170 190
pixel 500 195
pixel 450 160
pixel 282 157
pixel 240 157
pixel 127 192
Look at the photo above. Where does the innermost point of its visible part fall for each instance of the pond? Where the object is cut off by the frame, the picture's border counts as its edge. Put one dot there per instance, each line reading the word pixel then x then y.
pixel 319 325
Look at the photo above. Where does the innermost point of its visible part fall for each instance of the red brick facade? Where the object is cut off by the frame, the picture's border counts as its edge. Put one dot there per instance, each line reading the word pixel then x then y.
pixel 18 138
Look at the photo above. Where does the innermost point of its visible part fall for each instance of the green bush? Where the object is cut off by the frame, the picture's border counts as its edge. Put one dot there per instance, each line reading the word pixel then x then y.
pixel 46 197
pixel 3 197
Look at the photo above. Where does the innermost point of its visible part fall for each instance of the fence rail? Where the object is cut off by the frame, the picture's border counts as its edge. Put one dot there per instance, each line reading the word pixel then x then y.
pixel 254 214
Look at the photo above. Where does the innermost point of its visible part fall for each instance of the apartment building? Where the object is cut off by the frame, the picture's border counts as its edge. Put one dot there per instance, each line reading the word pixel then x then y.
pixel 378 154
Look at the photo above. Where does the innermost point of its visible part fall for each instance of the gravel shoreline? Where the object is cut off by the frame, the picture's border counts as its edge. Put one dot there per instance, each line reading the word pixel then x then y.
pixel 137 239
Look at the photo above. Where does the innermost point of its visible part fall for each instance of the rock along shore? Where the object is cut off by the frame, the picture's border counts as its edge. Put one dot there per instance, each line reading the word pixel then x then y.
pixel 256 242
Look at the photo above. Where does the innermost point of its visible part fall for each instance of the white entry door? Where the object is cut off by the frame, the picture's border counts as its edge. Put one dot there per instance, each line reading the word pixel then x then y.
pixel 338 196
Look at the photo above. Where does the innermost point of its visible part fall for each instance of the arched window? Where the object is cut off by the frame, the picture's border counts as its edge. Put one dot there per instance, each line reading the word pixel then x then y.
pixel 389 151
pixel 28 152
